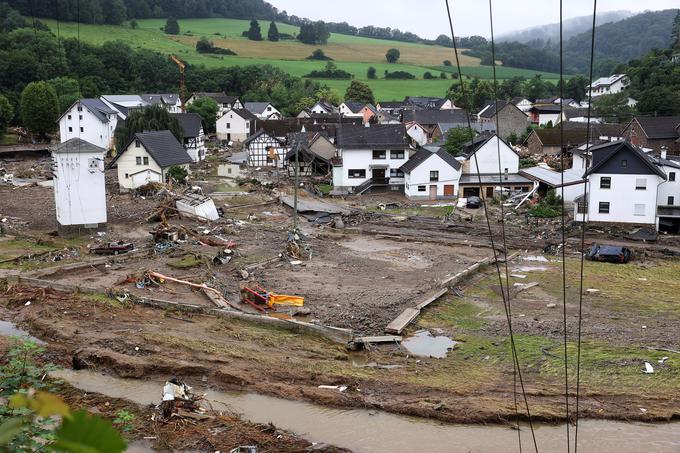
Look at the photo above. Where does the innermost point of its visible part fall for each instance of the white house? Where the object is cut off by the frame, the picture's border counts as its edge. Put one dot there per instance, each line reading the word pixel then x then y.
pixel 147 158
pixel 522 103
pixel 263 110
pixel 609 85
pixel 430 103
pixel 543 114
pixel 351 109
pixel 264 150
pixel 482 175
pixel 224 101
pixel 370 158
pixel 79 184
pixel 431 175
pixel 170 102
pixel 90 120
pixel 236 125
pixel 323 107
pixel 124 103
pixel 417 133
pixel 194 137
pixel 623 185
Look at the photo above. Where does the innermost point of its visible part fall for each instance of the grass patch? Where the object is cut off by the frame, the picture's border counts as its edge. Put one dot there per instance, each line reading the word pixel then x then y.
pixel 101 298
pixel 325 188
pixel 457 312
pixel 188 261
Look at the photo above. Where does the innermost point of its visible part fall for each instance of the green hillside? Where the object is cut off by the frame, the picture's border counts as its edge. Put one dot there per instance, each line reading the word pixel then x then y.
pixel 351 53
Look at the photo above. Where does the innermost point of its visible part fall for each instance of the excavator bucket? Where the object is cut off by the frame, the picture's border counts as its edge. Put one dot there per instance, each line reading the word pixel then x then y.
pixel 282 299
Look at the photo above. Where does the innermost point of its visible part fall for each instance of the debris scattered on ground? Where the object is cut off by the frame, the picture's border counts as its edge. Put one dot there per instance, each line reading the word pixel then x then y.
pixel 339 388
pixel 649 369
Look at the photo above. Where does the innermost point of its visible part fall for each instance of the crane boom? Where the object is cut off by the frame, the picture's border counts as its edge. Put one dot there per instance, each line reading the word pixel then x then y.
pixel 182 88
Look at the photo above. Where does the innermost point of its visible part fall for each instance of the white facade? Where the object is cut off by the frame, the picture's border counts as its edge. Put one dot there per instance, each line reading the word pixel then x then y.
pixel 136 167
pixel 79 184
pixel 524 105
pixel 487 159
pixel 609 85
pixel 347 112
pixel 625 200
pixel 233 127
pixel 268 112
pixel 320 108
pixel 359 165
pixel 448 105
pixel 195 146
pixel 420 183
pixel 417 133
pixel 669 190
pixel 79 122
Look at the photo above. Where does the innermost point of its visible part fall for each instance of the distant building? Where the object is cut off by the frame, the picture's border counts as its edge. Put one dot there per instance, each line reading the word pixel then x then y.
pixel 90 120
pixel 263 110
pixel 510 119
pixel 431 175
pixel 224 101
pixel 655 132
pixel 148 157
pixel 236 125
pixel 79 184
pixel 609 85
pixel 194 137
pixel 170 102
pixel 351 109
pixel 265 150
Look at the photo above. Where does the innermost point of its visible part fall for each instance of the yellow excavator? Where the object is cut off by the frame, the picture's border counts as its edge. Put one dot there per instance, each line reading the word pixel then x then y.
pixel 182 86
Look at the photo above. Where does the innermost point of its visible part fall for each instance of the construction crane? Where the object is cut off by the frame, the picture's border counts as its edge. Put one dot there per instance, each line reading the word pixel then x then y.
pixel 182 87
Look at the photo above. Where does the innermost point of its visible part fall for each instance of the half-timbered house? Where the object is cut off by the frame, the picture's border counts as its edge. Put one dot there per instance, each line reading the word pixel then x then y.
pixel 264 150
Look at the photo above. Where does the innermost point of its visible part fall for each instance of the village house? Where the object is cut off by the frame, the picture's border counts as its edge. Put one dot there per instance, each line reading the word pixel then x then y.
pixel 483 175
pixel 265 150
pixel 655 132
pixel 324 107
pixel 351 109
pixel 430 119
pixel 609 85
pixel 441 130
pixel 551 141
pixel 370 158
pixel 383 117
pixel 194 136
pixel 224 101
pixel 393 108
pixel 79 185
pixel 124 104
pixel 417 133
pixel 569 184
pixel 431 175
pixel 522 103
pixel 90 120
pixel 147 158
pixel 304 159
pixel 510 119
pixel 235 125
pixel 263 110
pixel 170 102
pixel 623 186
pixel 368 112
pixel 321 145
pixel 542 114
pixel 429 103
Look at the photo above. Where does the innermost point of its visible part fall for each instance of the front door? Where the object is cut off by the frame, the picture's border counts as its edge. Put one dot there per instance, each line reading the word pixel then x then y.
pixel 378 173
pixel 489 192
pixel 448 191
pixel 433 192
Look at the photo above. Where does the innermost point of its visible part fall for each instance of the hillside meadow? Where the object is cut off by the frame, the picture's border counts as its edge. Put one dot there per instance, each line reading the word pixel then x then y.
pixel 351 53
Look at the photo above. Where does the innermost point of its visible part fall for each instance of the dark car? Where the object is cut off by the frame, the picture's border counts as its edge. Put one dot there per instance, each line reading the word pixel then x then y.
pixel 609 254
pixel 474 203
pixel 113 248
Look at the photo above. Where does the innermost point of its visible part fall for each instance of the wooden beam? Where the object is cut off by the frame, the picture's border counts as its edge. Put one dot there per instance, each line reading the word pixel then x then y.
pixel 432 298
pixel 379 339
pixel 406 317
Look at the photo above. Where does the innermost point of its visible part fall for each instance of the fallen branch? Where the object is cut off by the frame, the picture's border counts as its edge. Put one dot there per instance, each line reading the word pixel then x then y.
pixel 202 286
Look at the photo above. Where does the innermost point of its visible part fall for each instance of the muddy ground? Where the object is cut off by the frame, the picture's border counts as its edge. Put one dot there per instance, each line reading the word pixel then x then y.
pixel 361 277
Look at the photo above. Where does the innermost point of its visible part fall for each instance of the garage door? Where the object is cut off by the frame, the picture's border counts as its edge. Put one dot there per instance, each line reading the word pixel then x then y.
pixel 448 191
pixel 470 192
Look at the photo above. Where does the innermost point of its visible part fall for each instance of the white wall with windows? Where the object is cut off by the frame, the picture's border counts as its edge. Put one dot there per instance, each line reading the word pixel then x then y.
pixel 232 127
pixel 487 159
pixel 619 198
pixel 358 165
pixel 433 172
pixel 669 191
pixel 79 122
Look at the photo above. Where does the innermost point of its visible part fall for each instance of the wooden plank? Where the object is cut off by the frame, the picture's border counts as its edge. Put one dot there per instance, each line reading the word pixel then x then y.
pixel 406 317
pixel 379 339
pixel 217 299
pixel 432 298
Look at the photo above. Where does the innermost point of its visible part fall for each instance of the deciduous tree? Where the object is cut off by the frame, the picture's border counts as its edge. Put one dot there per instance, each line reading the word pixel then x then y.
pixel 39 107
pixel 359 92
pixel 393 55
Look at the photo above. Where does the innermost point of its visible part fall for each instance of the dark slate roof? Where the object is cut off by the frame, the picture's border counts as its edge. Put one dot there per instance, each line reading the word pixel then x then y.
pixel 490 110
pixel 258 134
pixel 432 117
pixel 245 114
pixel 257 107
pixel 220 97
pixel 97 107
pixel 191 123
pixel 517 99
pixel 609 150
pixel 376 136
pixel 163 148
pixel 355 107
pixel 392 104
pixel 425 102
pixel 423 154
pixel 471 147
pixel 546 100
pixel 575 134
pixel 657 127
pixel 162 98
pixel 547 108
pixel 77 145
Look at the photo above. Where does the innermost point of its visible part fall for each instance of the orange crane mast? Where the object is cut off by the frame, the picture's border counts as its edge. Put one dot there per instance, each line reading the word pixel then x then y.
pixel 182 86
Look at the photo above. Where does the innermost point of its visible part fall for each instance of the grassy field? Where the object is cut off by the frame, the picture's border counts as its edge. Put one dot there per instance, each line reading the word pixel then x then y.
pixel 351 53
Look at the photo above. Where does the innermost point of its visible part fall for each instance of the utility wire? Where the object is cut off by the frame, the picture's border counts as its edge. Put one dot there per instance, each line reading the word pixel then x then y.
pixel 505 245
pixel 493 246
pixel 564 255
pixel 583 234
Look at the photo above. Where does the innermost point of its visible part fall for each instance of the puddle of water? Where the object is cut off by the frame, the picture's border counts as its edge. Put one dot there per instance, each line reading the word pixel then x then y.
pixel 8 329
pixel 529 269
pixel 365 431
pixel 423 344
pixel 539 258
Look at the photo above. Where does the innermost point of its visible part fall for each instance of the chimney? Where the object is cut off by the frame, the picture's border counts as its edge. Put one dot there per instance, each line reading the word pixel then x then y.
pixel 664 152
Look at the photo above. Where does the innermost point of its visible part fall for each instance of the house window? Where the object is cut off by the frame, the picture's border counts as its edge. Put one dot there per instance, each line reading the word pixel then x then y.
pixel 82 130
pixel 127 175
pixel 70 129
pixel 603 208
pixel 228 125
pixel 356 173
pixel 379 154
pixel 671 201
pixel 80 108
pixel 624 163
pixel 671 176
pixel 639 210
pixel 396 173
pixel 582 207
pixel 397 154
pixel 146 160
pixel 69 117
pixel 138 160
pixel 80 117
pixel 641 184
pixel 605 182
pixel 434 176
pixel 136 143
pixel 422 188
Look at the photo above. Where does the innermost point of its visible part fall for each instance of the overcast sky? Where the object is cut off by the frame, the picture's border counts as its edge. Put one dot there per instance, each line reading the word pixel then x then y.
pixel 427 18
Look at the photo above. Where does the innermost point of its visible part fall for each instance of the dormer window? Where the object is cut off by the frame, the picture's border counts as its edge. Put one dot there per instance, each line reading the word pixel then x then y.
pixel 137 145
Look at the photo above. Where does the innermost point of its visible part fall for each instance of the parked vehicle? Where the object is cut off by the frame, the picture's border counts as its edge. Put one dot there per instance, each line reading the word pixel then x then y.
pixel 474 202
pixel 609 254
pixel 113 248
